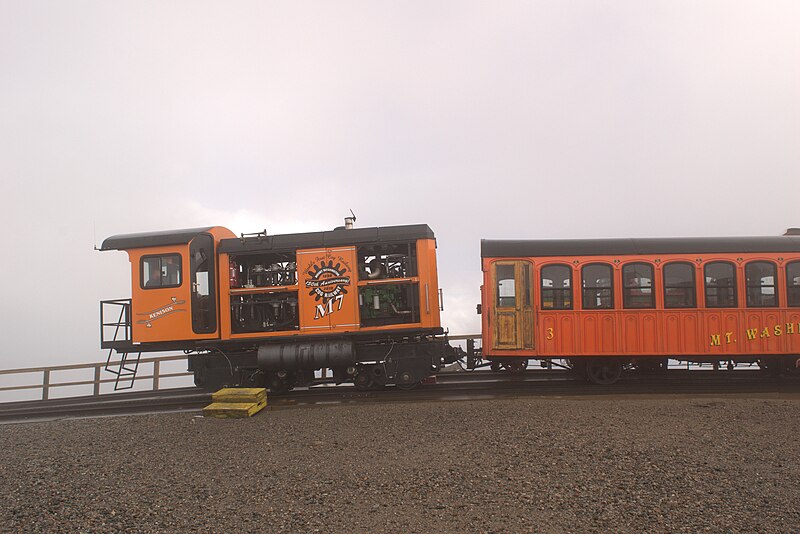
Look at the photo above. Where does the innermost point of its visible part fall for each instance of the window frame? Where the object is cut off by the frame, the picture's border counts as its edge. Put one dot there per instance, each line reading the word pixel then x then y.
pixel 161 263
pixel 610 287
pixel 497 279
pixel 693 269
pixel 774 285
pixel 625 304
pixel 790 285
pixel 735 285
pixel 562 290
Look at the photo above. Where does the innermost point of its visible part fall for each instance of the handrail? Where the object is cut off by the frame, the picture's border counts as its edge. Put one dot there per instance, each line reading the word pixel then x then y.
pixel 462 337
pixel 174 357
pixel 46 384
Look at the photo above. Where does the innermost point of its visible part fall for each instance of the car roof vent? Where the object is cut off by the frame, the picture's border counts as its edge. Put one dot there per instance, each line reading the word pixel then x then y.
pixel 792 231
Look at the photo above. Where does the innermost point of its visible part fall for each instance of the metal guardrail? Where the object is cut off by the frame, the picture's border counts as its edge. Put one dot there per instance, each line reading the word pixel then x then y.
pixel 47 382
pixel 463 337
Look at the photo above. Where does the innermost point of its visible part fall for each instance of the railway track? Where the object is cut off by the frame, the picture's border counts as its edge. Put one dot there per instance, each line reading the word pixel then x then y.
pixel 179 399
pixel 449 387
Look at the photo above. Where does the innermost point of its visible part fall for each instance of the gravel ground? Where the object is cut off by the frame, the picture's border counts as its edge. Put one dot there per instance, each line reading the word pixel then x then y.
pixel 544 465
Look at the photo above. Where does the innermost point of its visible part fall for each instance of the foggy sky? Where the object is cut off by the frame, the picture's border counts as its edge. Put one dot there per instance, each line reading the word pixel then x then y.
pixel 482 119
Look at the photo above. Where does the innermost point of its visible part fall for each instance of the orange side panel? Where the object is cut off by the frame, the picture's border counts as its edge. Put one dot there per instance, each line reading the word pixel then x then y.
pixel 160 314
pixel 719 322
pixel 344 312
pixel 640 333
pixel 428 283
pixel 557 335
pixel 599 333
pixel 223 274
pixel 164 314
pixel 567 337
pixel 691 341
pixel 681 333
pixel 328 296
pixel 791 331
pixel 767 342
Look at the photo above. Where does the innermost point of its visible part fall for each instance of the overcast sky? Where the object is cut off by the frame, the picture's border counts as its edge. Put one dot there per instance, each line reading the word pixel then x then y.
pixel 482 119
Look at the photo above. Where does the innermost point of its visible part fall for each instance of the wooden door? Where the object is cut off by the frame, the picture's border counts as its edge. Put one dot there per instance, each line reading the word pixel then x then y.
pixel 513 305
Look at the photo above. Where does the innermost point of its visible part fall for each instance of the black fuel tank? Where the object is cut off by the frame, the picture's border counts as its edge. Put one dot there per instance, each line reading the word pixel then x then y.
pixel 312 355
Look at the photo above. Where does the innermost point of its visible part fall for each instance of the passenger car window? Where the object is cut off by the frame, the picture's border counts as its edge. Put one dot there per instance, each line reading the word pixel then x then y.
pixel 679 285
pixel 160 271
pixel 596 280
pixel 760 279
pixel 506 292
pixel 720 283
pixel 793 284
pixel 637 286
pixel 556 287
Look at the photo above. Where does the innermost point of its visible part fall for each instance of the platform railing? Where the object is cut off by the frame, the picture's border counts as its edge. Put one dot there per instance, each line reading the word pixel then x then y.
pixel 463 337
pixel 48 382
pixel 48 374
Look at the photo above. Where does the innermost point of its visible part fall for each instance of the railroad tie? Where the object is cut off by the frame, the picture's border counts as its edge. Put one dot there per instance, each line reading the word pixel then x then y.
pixel 236 402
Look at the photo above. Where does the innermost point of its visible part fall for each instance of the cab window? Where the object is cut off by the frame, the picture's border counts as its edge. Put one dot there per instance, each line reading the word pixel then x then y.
pixel 160 271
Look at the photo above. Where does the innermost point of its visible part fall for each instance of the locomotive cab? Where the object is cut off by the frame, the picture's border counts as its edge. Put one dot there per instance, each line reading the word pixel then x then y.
pixel 173 286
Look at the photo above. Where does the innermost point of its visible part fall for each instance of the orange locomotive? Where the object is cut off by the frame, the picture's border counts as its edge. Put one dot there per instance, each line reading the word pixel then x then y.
pixel 271 310
pixel 605 304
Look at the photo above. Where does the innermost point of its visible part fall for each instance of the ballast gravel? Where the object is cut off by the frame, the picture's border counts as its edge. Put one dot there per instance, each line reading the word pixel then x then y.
pixel 539 465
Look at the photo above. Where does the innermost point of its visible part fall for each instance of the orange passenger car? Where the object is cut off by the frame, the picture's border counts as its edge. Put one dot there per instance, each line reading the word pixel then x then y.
pixel 271 310
pixel 602 304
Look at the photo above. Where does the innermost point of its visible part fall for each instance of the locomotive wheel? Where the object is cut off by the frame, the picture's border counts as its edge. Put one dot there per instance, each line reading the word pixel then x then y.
pixel 363 382
pixel 517 367
pixel 603 371
pixel 406 381
pixel 278 385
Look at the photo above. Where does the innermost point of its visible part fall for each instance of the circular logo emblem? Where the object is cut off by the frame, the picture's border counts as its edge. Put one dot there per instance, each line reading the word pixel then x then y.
pixel 327 280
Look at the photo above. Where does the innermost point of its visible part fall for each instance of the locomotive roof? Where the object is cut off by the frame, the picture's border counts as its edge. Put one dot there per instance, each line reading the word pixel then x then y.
pixel 152 239
pixel 498 248
pixel 337 237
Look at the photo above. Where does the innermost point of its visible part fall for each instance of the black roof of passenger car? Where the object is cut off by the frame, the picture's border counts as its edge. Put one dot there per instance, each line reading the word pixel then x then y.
pixel 332 238
pixel 499 248
pixel 152 239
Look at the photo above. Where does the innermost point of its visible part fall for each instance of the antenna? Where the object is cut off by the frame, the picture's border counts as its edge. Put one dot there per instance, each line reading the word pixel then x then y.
pixel 353 214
